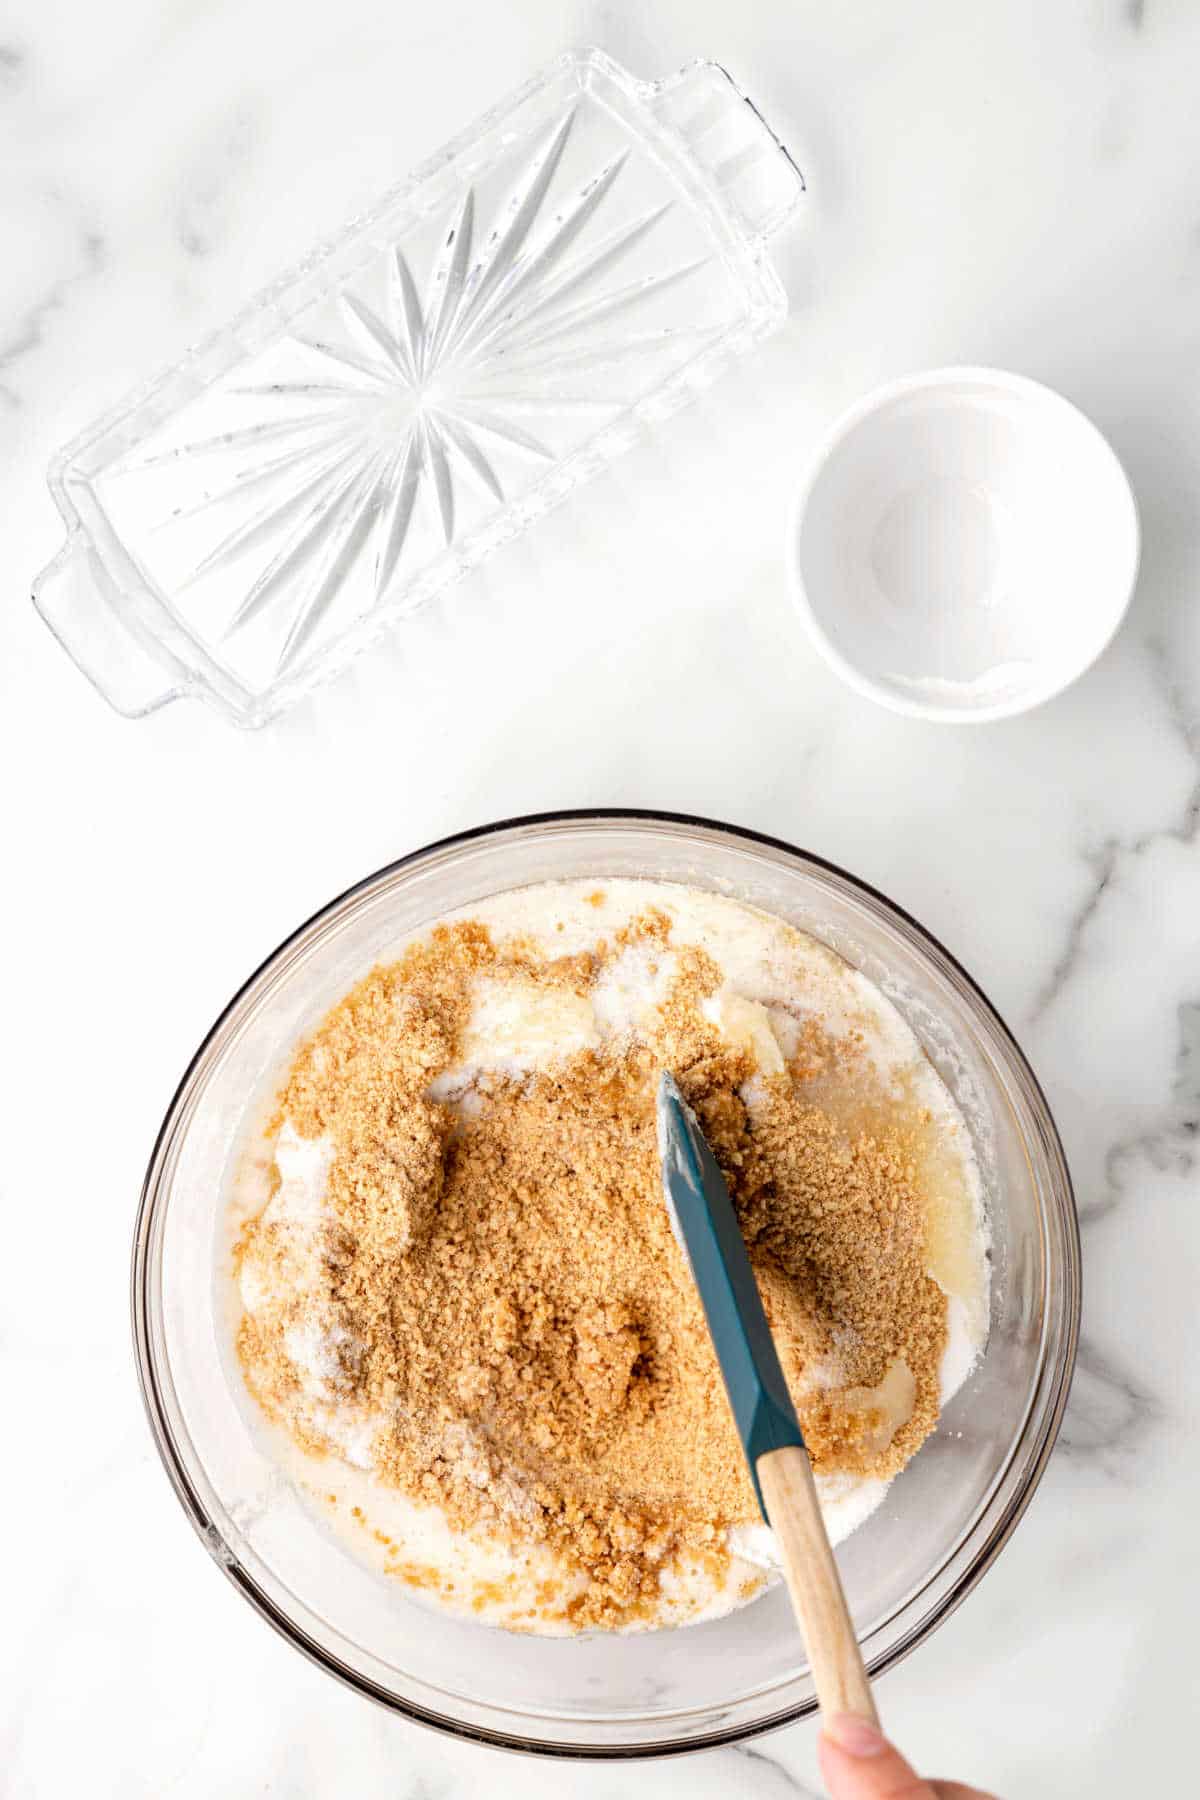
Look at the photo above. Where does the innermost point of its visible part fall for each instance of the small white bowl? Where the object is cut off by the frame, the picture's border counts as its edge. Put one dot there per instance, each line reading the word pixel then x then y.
pixel 965 546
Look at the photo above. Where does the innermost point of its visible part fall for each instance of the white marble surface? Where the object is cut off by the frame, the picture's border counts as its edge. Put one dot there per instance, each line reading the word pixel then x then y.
pixel 1005 183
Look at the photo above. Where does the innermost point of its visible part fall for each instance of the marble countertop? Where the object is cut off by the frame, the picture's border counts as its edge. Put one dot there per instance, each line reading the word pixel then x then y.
pixel 1013 184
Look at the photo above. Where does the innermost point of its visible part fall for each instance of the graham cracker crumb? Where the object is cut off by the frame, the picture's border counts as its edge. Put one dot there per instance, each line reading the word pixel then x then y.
pixel 500 1292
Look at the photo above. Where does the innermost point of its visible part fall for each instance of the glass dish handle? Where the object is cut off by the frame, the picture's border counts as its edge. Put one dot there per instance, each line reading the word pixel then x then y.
pixel 753 173
pixel 74 599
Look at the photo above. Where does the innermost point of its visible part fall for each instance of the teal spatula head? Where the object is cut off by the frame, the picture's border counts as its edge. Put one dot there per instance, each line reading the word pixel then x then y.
pixel 708 1233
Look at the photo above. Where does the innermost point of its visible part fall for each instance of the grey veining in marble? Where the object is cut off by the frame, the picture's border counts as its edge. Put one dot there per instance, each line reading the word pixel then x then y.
pixel 29 331
pixel 769 1778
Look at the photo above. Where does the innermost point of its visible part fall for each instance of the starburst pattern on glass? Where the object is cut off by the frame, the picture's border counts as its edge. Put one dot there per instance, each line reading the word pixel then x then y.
pixel 427 395
pixel 499 328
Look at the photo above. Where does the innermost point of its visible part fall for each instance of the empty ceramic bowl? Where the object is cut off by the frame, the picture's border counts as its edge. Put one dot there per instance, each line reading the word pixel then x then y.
pixel 965 546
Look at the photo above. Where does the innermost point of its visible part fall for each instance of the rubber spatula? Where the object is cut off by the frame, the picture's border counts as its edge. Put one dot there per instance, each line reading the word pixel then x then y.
pixel 706 1227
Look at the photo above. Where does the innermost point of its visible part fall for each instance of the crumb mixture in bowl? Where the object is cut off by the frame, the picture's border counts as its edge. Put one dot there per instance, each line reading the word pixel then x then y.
pixel 459 1297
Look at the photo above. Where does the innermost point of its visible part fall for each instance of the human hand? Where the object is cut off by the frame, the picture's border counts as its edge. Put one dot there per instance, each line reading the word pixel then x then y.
pixel 858 1763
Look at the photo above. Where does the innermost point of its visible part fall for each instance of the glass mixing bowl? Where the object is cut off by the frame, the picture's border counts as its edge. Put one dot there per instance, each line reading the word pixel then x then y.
pixel 944 1519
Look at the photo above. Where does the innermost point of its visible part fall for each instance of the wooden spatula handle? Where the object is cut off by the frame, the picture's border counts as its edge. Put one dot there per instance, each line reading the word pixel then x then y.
pixel 814 1584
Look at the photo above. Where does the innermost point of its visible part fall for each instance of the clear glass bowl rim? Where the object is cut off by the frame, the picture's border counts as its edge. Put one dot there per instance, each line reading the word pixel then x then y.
pixel 1047 1403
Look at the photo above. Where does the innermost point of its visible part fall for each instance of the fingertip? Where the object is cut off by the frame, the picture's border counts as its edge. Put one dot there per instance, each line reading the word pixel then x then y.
pixel 859 1763
pixel 855 1735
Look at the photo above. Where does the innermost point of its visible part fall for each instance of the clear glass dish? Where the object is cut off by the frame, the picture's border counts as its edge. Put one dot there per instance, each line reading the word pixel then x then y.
pixel 945 1518
pixel 578 264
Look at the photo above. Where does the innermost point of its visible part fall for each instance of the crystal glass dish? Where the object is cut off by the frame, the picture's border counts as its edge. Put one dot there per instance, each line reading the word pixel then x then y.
pixel 499 328
pixel 945 1518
